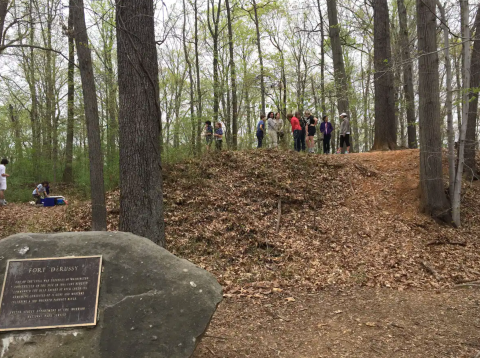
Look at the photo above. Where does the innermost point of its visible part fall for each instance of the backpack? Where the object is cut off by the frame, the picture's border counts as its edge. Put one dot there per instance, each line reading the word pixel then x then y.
pixel 303 122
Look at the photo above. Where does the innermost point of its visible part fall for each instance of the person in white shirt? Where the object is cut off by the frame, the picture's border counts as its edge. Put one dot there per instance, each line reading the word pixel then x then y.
pixel 40 191
pixel 3 181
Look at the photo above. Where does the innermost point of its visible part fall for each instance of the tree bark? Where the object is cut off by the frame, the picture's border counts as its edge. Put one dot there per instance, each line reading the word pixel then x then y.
pixel 340 75
pixel 141 192
pixel 407 76
pixel 470 139
pixel 433 198
pixel 68 172
pixel 3 14
pixel 199 88
pixel 322 62
pixel 448 102
pixel 233 78
pixel 190 76
pixel 457 192
pixel 260 55
pixel 214 33
pixel 99 212
pixel 385 128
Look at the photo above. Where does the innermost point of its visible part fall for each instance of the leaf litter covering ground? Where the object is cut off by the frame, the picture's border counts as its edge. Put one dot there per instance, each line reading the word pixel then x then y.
pixel 350 220
pixel 354 271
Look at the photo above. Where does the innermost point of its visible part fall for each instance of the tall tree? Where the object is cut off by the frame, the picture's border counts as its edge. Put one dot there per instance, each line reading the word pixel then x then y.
pixel 457 191
pixel 197 70
pixel 340 75
pixel 99 212
pixel 385 128
pixel 68 172
pixel 407 75
pixel 3 15
pixel 233 77
pixel 141 210
pixel 448 103
pixel 215 33
pixel 190 76
pixel 433 198
pixel 471 139
pixel 256 20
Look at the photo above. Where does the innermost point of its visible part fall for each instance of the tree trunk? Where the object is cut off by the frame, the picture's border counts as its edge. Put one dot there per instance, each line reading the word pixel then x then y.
pixel 340 75
pixel 68 172
pixel 99 212
pixel 233 78
pixel 199 88
pixel 33 94
pixel 16 133
pixel 385 129
pixel 470 139
pixel 433 198
pixel 457 192
pixel 214 32
pixel 260 56
pixel 407 76
pixel 190 77
pixel 448 102
pixel 141 189
pixel 322 62
pixel 3 14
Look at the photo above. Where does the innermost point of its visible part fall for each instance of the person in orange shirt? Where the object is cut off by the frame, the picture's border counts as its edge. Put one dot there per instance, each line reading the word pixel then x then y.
pixel 296 130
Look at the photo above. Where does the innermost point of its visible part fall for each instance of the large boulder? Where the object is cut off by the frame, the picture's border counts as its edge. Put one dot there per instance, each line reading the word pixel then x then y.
pixel 152 304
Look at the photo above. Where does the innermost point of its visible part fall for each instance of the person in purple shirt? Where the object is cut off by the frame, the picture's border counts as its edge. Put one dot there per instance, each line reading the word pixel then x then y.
pixel 326 129
pixel 218 136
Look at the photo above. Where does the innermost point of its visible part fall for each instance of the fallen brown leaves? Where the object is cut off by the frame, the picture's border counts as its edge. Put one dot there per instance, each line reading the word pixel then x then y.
pixel 346 221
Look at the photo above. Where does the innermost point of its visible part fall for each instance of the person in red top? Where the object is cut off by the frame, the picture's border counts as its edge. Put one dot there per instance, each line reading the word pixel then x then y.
pixel 296 130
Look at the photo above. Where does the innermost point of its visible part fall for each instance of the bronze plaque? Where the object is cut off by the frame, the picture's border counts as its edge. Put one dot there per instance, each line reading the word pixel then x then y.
pixel 50 293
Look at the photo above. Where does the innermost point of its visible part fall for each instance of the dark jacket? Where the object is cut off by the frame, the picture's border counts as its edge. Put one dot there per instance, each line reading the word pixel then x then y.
pixel 329 128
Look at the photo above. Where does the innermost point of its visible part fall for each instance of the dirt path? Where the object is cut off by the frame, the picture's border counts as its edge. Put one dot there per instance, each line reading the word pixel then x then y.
pixel 348 323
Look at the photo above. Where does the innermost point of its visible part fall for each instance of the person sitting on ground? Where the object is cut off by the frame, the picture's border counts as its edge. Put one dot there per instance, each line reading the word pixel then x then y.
pixel 326 129
pixel 311 130
pixel 3 181
pixel 261 130
pixel 218 136
pixel 40 191
pixel 208 134
pixel 344 133
pixel 296 130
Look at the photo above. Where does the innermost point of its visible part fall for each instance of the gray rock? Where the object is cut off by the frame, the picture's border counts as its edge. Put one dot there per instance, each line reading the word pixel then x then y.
pixel 152 304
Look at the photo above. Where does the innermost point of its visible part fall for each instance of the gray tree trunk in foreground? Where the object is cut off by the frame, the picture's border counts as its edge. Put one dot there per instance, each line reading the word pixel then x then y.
pixel 457 192
pixel 141 195
pixel 433 199
pixel 407 76
pixel 385 127
pixel 448 102
pixel 99 212
pixel 470 138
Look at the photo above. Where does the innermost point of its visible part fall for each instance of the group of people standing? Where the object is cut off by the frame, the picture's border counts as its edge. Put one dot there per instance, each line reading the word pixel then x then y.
pixel 304 129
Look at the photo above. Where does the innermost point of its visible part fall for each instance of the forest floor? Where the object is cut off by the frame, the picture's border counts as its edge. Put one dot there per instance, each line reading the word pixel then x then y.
pixel 354 269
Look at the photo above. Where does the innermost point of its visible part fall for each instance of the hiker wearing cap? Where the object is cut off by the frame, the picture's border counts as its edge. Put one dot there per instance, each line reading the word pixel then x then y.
pixel 344 133
pixel 326 129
